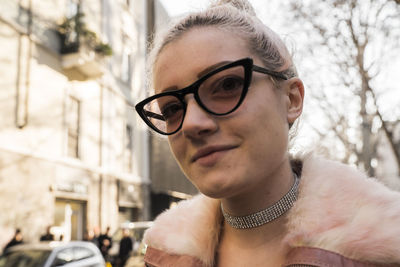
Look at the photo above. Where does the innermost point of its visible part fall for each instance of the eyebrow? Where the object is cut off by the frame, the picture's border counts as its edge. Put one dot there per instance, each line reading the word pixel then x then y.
pixel 212 67
pixel 200 74
pixel 171 88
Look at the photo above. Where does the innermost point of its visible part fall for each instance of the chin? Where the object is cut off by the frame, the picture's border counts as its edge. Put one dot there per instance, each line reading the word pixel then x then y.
pixel 218 184
pixel 216 190
pixel 212 194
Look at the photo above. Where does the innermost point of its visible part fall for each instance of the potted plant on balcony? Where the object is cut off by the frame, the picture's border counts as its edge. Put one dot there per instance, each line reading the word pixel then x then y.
pixel 82 52
pixel 74 33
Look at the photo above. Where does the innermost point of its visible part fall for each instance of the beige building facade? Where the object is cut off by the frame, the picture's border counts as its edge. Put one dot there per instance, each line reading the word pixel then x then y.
pixel 73 154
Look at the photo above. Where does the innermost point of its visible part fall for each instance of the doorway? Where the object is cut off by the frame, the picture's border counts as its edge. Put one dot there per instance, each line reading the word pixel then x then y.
pixel 69 219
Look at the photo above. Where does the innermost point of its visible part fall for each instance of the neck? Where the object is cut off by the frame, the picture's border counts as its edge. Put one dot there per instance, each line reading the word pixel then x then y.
pixel 273 187
pixel 257 245
pixel 263 243
pixel 270 232
pixel 267 215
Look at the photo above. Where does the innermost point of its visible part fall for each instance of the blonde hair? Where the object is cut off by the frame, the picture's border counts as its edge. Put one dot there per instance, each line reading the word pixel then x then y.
pixel 235 16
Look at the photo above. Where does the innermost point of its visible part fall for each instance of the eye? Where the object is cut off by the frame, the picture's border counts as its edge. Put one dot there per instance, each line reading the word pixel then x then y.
pixel 171 110
pixel 227 86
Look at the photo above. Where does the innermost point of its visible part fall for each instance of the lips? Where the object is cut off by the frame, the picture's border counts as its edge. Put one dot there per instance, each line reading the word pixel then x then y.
pixel 201 153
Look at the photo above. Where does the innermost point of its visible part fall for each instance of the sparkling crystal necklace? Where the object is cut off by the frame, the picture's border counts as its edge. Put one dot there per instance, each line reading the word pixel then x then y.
pixel 264 216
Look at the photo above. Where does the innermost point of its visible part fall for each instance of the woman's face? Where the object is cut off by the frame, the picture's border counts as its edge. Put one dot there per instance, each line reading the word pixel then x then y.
pixel 224 156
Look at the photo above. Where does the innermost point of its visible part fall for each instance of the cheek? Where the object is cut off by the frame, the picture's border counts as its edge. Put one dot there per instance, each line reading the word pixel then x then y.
pixel 282 104
pixel 177 147
pixel 266 120
pixel 266 107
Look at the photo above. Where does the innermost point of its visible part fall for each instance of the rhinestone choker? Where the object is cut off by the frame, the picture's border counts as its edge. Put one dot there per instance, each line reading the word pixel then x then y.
pixel 264 216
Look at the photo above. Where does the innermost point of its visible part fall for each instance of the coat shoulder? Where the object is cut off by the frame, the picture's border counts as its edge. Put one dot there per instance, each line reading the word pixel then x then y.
pixel 342 210
pixel 191 228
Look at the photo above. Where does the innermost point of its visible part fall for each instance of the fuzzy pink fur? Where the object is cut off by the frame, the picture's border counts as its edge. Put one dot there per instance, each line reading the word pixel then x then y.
pixel 338 209
pixel 341 210
pixel 190 228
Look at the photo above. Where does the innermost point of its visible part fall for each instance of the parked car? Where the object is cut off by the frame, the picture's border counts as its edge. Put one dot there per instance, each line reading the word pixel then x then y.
pixel 136 230
pixel 53 254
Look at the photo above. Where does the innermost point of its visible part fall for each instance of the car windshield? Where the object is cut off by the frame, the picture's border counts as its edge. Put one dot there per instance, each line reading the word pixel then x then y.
pixel 26 258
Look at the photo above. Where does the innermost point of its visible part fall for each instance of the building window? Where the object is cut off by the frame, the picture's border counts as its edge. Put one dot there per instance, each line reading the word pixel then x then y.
pixel 71 36
pixel 72 8
pixel 126 66
pixel 127 214
pixel 128 148
pixel 73 121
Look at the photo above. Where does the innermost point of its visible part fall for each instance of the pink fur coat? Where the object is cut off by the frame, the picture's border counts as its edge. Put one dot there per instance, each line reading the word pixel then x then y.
pixel 338 209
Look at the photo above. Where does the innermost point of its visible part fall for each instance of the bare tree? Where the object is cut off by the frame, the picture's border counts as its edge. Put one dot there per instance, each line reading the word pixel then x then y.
pixel 359 39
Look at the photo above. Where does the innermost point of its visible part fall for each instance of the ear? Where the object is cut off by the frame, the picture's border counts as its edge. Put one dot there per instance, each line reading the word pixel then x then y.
pixel 295 96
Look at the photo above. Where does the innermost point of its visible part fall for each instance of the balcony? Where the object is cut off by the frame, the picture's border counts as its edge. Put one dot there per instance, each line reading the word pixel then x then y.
pixel 82 53
pixel 84 64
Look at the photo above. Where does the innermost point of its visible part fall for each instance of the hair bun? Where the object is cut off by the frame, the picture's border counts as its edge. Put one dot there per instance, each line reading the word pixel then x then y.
pixel 242 5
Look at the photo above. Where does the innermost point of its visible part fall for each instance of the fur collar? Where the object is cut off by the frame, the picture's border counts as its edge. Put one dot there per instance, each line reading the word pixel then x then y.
pixel 338 209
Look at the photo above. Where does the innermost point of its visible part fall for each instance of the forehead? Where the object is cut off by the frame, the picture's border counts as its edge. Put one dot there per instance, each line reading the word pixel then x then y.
pixel 182 61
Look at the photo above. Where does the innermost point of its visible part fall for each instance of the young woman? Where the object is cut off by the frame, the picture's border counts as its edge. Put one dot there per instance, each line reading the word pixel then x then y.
pixel 226 95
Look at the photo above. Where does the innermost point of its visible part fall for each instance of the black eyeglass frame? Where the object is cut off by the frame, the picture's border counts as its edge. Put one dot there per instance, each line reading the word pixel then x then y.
pixel 248 66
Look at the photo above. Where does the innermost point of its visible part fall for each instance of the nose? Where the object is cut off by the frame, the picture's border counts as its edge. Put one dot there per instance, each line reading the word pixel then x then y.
pixel 197 122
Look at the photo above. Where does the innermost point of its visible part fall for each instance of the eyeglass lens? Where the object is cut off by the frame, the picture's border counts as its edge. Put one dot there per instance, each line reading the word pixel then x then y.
pixel 218 94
